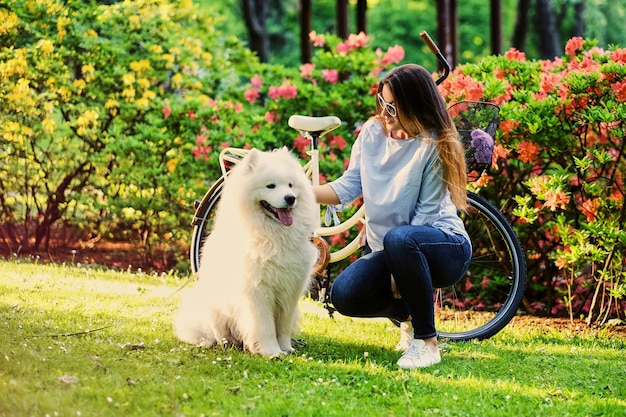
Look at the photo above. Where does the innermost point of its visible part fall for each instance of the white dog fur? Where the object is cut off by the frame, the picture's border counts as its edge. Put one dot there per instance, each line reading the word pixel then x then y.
pixel 256 263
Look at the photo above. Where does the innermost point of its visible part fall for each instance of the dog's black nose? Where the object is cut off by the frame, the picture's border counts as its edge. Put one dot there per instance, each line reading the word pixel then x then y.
pixel 290 199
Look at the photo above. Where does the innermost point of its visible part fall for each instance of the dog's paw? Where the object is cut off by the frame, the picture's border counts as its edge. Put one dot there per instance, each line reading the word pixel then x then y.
pixel 285 344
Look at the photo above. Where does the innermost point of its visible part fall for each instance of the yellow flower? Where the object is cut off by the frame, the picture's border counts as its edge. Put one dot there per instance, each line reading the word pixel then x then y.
pixel 155 49
pixel 12 67
pixel 111 103
pixel 129 93
pixel 45 46
pixel 62 23
pixel 140 66
pixel 64 93
pixel 169 60
pixel 149 95
pixel 171 165
pixel 142 103
pixel 128 78
pixel 177 80
pixel 8 22
pixel 90 33
pixel 134 21
pixel 88 72
pixel 207 58
pixel 80 85
pixel 143 82
pixel 48 126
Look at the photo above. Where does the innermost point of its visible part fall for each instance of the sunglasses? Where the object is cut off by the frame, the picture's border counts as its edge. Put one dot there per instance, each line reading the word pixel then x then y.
pixel 389 108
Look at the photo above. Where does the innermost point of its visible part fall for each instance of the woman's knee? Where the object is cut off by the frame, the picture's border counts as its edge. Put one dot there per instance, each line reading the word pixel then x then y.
pixel 397 241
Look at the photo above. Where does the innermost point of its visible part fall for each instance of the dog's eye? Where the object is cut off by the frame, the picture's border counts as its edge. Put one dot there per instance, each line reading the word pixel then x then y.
pixel 270 186
pixel 290 185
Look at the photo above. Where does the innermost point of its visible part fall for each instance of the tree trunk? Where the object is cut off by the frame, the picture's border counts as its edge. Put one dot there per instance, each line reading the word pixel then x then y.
pixel 520 31
pixel 255 14
pixel 547 31
pixel 361 16
pixel 305 29
pixel 579 22
pixel 342 19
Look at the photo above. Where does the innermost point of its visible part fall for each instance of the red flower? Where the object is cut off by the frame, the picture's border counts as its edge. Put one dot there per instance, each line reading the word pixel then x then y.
pixel 573 45
pixel 330 75
pixel 515 55
pixel 527 151
pixel 251 95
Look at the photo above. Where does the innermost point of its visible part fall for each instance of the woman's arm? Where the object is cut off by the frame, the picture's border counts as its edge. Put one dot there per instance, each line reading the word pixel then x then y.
pixel 324 194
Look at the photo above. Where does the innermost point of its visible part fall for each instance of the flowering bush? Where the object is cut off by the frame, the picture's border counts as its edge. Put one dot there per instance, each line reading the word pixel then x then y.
pixel 99 107
pixel 560 166
pixel 112 116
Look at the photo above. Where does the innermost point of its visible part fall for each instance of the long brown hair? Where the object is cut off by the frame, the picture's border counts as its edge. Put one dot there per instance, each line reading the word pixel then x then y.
pixel 421 108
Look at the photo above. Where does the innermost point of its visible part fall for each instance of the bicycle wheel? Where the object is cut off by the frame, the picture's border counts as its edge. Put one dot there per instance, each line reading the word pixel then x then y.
pixel 486 299
pixel 203 222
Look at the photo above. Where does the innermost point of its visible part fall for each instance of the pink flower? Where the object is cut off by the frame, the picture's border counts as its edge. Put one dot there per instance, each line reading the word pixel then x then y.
pixel 306 70
pixel 256 81
pixel 318 40
pixel 301 144
pixel 343 48
pixel 619 88
pixel 201 139
pixel 573 45
pixel 285 90
pixel 271 116
pixel 394 54
pixel 330 75
pixel 251 95
pixel 337 142
pixel 201 152
pixel 353 42
pixel 515 55
pixel 273 92
pixel 166 112
pixel 358 41
pixel 238 107
pixel 288 91
pixel 619 55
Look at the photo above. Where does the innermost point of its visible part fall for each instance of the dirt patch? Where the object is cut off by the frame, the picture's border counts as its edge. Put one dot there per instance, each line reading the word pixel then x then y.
pixel 128 256
pixel 564 325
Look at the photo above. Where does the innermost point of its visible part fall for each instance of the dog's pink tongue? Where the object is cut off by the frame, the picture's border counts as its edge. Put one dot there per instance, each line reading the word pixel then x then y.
pixel 285 216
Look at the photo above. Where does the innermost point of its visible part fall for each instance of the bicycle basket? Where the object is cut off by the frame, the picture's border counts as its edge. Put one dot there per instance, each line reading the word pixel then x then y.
pixel 477 123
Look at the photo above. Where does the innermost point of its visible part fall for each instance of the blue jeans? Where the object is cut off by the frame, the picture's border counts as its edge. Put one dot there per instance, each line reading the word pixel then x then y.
pixel 420 258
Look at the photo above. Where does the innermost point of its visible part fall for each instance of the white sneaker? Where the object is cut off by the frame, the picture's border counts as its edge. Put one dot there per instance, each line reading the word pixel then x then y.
pixel 406 336
pixel 418 355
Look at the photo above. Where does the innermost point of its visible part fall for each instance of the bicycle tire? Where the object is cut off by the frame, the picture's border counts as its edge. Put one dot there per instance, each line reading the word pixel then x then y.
pixel 203 222
pixel 485 300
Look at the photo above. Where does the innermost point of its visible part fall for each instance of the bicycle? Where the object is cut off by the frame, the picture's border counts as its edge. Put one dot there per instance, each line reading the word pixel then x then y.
pixel 480 304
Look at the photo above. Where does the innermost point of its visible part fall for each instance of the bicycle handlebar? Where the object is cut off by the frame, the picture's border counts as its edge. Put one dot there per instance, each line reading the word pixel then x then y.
pixel 437 52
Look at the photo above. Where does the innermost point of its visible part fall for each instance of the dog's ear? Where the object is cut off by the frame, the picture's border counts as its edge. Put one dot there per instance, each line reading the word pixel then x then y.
pixel 251 159
pixel 285 150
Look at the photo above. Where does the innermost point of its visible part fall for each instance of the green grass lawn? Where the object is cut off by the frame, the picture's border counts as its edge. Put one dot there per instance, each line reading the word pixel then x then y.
pixel 134 366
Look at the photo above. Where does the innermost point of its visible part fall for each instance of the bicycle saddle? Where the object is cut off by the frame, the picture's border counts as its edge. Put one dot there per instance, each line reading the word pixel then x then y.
pixel 314 124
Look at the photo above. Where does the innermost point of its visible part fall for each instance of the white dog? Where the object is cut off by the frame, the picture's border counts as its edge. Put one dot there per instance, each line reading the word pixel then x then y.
pixel 256 263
